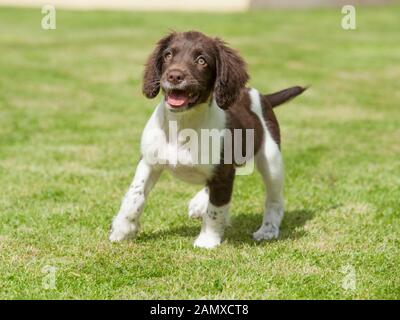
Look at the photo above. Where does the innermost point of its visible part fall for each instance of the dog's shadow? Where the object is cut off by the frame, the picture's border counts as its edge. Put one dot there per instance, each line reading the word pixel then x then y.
pixel 244 224
pixel 242 227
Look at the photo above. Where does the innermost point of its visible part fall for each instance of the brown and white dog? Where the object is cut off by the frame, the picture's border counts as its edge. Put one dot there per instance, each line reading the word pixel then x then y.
pixel 203 84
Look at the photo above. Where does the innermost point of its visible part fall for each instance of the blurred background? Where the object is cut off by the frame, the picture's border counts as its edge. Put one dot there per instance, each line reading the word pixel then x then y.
pixel 206 5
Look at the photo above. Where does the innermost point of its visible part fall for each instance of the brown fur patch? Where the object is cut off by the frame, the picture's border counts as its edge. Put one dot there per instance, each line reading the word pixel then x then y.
pixel 270 120
pixel 221 184
pixel 240 116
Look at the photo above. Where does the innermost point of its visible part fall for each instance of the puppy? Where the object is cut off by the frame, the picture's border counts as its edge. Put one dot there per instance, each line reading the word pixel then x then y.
pixel 203 85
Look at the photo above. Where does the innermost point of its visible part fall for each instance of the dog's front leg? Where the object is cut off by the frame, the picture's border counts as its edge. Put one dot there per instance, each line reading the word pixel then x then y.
pixel 126 223
pixel 199 203
pixel 217 214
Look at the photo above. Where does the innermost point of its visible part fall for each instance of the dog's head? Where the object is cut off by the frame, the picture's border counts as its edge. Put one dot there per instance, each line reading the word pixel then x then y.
pixel 189 67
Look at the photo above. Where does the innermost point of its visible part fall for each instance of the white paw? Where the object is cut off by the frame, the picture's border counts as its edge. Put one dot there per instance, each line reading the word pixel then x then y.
pixel 266 232
pixel 208 241
pixel 123 229
pixel 198 204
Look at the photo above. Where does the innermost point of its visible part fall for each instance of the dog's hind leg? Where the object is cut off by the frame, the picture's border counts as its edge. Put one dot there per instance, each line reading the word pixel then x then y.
pixel 198 204
pixel 126 223
pixel 270 164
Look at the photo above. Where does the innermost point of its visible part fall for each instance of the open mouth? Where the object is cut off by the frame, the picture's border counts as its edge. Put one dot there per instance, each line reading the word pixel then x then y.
pixel 180 99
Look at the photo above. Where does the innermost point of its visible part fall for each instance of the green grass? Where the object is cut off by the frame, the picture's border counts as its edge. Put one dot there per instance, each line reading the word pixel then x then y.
pixel 71 115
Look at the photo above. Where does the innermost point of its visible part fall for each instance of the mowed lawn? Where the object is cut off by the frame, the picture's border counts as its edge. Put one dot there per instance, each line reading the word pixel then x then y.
pixel 71 115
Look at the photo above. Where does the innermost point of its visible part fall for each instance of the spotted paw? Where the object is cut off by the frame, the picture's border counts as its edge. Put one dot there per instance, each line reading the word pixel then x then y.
pixel 207 241
pixel 123 229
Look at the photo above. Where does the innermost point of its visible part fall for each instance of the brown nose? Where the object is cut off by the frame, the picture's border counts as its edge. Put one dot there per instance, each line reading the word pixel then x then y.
pixel 175 76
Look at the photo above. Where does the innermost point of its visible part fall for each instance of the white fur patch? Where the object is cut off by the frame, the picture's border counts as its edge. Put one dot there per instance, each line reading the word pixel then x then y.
pixel 123 229
pixel 199 203
pixel 213 227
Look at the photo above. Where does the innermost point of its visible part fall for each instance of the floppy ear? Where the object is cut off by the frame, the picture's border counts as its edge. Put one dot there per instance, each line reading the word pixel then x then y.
pixel 231 75
pixel 153 68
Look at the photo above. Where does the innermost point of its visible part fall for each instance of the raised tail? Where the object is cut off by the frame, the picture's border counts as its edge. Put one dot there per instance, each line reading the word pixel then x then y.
pixel 277 98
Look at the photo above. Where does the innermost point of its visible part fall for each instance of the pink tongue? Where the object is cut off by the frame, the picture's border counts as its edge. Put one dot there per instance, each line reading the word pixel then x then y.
pixel 176 100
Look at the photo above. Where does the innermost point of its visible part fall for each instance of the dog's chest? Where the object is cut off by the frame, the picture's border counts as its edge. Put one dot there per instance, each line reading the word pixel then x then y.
pixel 189 166
pixel 198 174
pixel 181 152
pixel 181 157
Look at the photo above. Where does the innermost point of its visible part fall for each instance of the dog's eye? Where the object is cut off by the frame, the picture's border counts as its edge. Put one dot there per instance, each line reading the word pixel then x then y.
pixel 201 61
pixel 167 56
